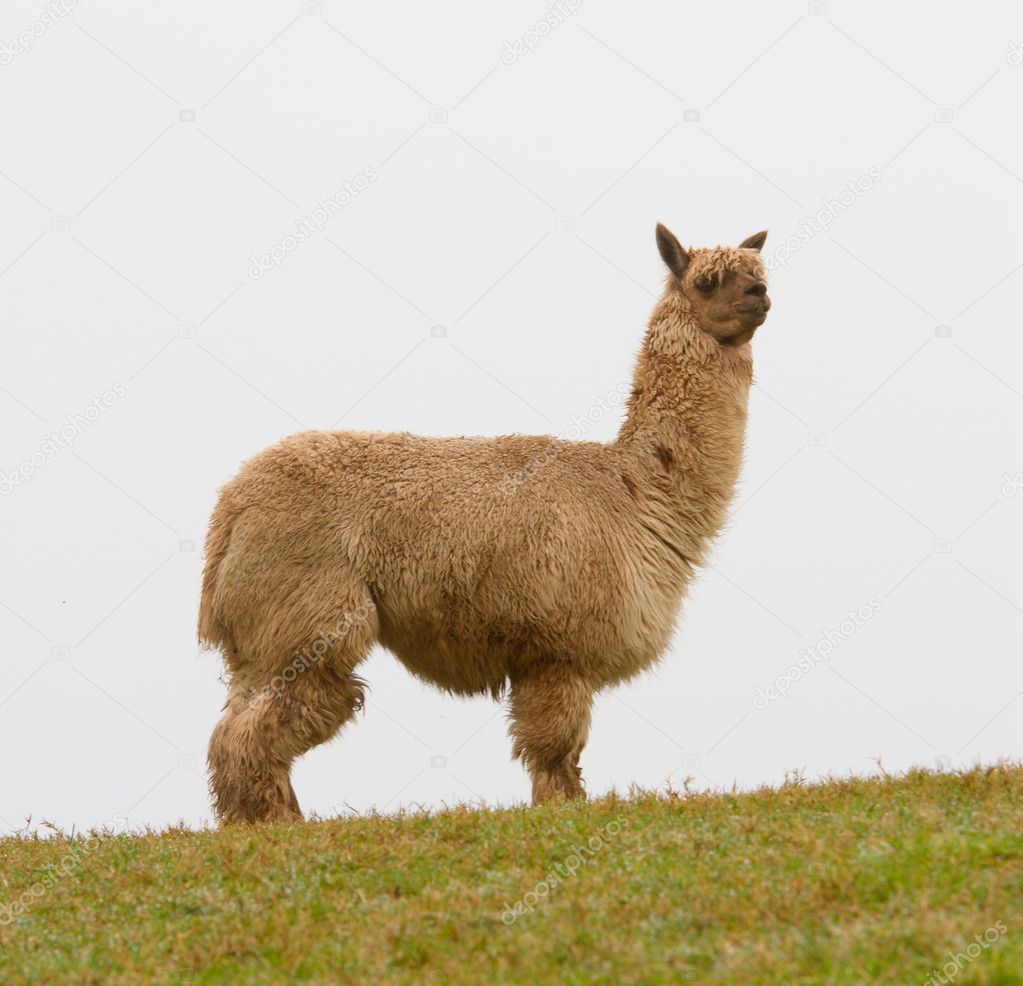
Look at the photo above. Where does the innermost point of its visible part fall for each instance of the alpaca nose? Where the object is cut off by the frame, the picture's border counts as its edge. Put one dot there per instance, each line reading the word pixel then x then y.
pixel 758 288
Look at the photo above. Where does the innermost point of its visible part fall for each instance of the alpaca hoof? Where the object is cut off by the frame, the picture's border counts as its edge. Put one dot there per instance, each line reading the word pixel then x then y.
pixel 268 816
pixel 548 788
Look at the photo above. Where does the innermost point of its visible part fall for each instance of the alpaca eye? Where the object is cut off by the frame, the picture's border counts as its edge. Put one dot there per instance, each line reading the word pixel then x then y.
pixel 705 287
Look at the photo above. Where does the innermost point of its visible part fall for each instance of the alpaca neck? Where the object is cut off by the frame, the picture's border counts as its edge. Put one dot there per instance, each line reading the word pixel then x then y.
pixel 684 431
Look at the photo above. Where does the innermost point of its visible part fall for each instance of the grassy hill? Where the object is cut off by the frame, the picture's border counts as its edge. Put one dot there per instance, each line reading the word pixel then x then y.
pixel 917 879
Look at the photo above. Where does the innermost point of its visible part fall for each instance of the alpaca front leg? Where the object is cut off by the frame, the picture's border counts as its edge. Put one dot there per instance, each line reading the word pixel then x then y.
pixel 550 720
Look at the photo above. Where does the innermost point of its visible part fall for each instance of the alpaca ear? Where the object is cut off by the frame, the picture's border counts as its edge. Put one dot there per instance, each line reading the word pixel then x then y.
pixel 672 252
pixel 754 242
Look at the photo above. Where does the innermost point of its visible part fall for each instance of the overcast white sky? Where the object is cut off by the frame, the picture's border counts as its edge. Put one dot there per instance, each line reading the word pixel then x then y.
pixel 493 273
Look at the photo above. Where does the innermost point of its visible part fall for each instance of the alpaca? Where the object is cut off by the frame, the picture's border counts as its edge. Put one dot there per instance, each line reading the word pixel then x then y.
pixel 547 588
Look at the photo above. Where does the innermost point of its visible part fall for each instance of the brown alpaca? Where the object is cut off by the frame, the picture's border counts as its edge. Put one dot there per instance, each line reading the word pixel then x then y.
pixel 546 568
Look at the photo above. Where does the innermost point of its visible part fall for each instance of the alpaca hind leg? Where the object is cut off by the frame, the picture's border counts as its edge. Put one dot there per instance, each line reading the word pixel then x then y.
pixel 550 713
pixel 281 706
pixel 259 737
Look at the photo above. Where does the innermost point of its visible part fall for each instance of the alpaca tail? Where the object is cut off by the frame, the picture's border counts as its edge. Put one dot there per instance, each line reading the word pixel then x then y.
pixel 212 630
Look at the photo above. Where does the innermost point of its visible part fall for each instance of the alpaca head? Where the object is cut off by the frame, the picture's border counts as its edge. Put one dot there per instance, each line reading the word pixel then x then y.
pixel 724 286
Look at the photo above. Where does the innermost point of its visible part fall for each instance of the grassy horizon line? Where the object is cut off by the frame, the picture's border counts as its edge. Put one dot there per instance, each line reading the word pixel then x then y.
pixel 861 879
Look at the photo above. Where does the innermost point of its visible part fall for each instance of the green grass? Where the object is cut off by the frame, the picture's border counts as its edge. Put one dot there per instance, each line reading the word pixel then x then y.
pixel 842 882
